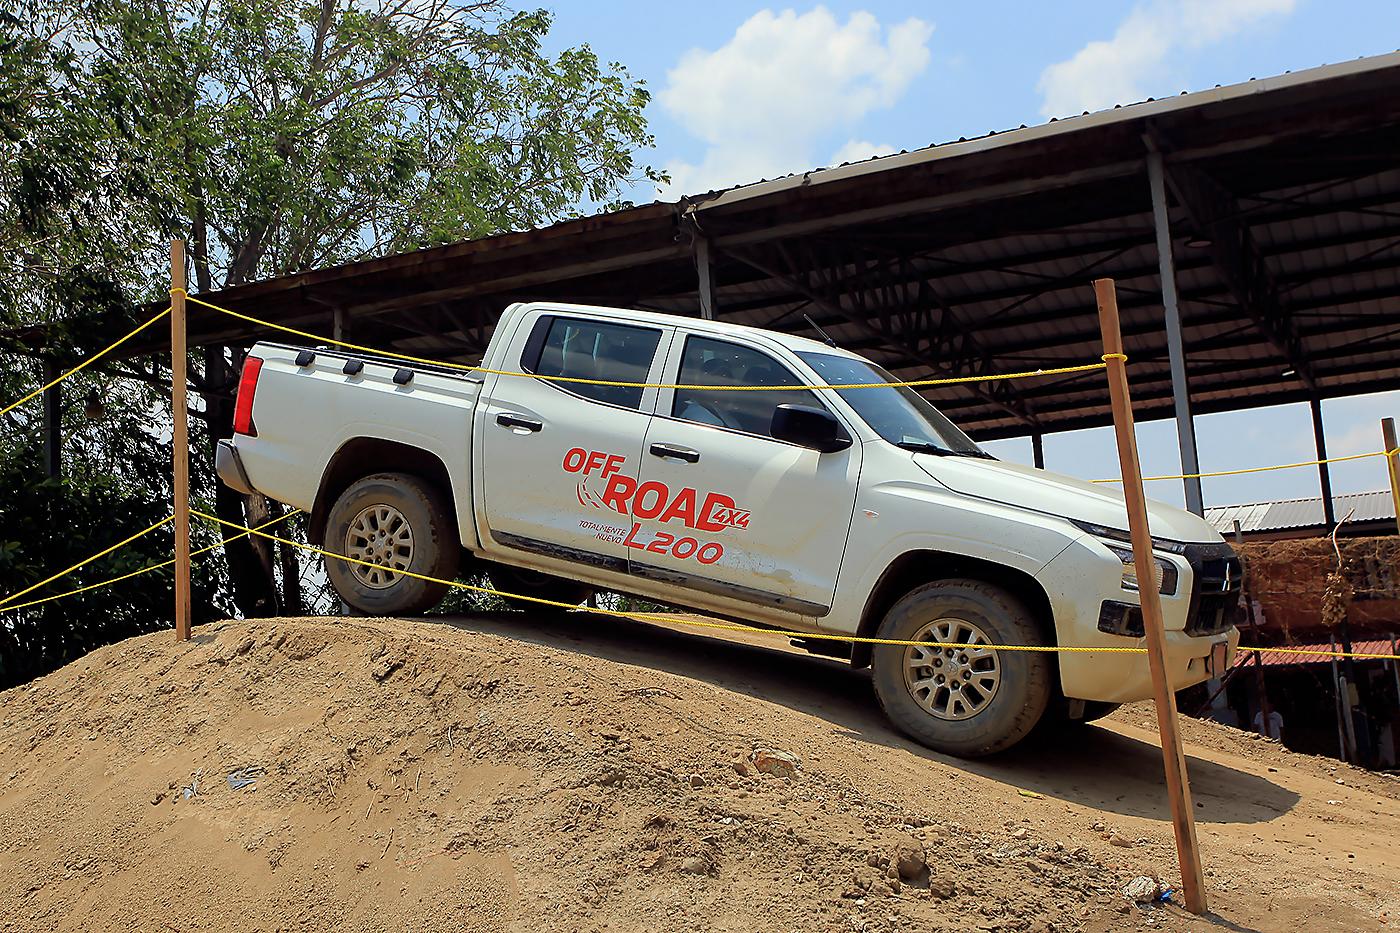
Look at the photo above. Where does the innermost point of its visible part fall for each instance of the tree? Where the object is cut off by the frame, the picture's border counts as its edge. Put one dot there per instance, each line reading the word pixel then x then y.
pixel 277 136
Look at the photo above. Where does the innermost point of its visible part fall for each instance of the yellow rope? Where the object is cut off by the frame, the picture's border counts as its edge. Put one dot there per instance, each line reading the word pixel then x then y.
pixel 92 359
pixel 86 561
pixel 1263 469
pixel 661 617
pixel 137 573
pixel 915 383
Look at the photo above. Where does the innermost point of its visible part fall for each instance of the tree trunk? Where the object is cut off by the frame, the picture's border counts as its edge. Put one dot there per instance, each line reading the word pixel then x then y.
pixel 291 570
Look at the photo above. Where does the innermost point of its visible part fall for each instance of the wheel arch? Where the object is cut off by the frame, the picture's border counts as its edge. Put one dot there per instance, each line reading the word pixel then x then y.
pixel 915 568
pixel 363 456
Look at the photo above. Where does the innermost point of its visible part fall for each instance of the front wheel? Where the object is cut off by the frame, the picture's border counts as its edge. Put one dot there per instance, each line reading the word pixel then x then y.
pixel 959 696
pixel 391 525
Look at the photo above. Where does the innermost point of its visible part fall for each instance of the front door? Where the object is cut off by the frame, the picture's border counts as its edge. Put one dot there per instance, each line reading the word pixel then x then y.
pixel 549 448
pixel 722 507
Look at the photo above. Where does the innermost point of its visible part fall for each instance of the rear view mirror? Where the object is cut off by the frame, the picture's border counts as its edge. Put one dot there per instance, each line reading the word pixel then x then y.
pixel 806 426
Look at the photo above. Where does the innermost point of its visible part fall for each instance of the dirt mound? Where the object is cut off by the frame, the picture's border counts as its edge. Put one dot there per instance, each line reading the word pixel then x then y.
pixel 565 773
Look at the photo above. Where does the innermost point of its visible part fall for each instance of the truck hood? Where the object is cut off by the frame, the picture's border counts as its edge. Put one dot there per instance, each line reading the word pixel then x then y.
pixel 1056 494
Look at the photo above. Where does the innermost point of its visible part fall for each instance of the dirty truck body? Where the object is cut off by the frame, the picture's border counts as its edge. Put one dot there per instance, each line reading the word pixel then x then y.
pixel 857 511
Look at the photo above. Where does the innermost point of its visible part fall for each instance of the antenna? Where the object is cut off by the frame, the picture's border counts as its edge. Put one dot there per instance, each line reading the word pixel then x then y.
pixel 817 327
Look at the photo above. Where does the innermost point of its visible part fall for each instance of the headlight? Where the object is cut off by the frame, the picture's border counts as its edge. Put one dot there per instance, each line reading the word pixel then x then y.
pixel 1163 570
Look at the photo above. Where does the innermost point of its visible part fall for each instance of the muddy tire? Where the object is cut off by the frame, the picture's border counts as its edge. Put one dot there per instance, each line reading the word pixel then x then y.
pixel 509 579
pixel 392 522
pixel 969 701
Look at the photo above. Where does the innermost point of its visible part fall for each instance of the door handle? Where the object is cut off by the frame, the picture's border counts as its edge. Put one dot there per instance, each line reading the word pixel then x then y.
pixel 672 452
pixel 508 420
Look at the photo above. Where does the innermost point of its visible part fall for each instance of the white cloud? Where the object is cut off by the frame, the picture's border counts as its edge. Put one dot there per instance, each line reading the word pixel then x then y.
pixel 1117 70
pixel 783 84
pixel 858 150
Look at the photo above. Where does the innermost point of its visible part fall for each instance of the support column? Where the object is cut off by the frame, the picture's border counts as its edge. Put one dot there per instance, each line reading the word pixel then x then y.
pixel 1038 450
pixel 1324 474
pixel 338 322
pixel 703 273
pixel 53 423
pixel 1176 351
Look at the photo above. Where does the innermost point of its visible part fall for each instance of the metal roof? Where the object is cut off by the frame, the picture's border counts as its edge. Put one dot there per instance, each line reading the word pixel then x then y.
pixel 974 257
pixel 1301 513
pixel 1286 658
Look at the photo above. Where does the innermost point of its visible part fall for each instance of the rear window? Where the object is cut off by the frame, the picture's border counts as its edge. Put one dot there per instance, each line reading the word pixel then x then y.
pixel 583 349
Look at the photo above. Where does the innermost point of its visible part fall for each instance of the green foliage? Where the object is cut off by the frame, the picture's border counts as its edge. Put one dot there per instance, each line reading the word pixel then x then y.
pixel 57 524
pixel 282 135
pixel 274 136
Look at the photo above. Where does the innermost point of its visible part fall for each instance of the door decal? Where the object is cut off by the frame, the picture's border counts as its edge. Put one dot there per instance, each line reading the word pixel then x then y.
pixel 651 501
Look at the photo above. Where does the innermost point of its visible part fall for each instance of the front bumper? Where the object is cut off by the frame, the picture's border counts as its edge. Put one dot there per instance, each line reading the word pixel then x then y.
pixel 229 466
pixel 1115 677
pixel 1085 577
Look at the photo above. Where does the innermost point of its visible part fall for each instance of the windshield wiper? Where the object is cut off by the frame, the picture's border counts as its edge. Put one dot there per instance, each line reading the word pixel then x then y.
pixel 923 447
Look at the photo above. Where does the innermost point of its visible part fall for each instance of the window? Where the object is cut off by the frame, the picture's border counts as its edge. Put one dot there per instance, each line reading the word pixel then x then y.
pixel 582 349
pixel 713 362
pixel 898 414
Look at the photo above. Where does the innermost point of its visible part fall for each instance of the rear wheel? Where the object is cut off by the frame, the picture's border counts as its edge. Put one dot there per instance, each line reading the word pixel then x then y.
pixel 391 525
pixel 959 696
pixel 523 582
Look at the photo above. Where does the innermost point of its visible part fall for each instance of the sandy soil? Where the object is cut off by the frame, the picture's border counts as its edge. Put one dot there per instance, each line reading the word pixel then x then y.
pixel 564 772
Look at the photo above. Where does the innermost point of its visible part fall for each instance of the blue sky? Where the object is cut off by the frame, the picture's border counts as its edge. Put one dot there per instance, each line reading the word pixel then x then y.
pixel 746 90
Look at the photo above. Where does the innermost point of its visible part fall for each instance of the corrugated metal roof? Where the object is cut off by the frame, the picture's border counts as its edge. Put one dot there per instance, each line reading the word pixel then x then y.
pixel 1151 107
pixel 1300 513
pixel 1281 658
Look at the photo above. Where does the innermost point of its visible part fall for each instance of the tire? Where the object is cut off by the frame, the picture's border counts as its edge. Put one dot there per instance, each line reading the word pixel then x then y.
pixel 1003 695
pixel 510 579
pixel 420 538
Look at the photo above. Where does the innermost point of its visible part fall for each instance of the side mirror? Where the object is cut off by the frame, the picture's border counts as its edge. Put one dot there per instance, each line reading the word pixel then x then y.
pixel 806 426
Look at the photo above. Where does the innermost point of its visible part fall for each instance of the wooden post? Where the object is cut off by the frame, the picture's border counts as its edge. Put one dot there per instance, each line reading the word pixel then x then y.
pixel 180 439
pixel 1392 464
pixel 1173 758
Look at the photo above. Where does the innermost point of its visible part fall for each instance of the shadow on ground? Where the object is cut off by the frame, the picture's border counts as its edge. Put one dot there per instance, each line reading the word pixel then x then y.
pixel 1089 765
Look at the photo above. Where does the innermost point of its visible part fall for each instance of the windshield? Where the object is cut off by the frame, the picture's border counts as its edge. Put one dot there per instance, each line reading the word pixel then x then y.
pixel 898 413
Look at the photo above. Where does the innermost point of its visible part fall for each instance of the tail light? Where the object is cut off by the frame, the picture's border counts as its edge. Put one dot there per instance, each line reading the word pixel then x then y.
pixel 247 387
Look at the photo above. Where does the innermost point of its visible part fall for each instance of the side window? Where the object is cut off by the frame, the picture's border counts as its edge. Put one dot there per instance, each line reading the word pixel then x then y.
pixel 709 362
pixel 581 349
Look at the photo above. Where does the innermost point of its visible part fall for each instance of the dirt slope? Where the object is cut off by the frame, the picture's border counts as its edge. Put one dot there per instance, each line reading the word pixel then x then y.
pixel 563 772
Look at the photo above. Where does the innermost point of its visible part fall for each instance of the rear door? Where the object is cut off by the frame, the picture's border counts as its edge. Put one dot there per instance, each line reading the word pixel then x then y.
pixel 548 449
pixel 723 508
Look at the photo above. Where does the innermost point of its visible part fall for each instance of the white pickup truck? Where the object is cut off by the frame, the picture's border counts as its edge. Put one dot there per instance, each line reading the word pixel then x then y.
pixel 860 511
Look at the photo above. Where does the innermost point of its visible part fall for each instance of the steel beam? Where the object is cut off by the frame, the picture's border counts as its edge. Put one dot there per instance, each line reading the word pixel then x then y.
pixel 1176 348
pixel 1217 216
pixel 704 273
pixel 1324 474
